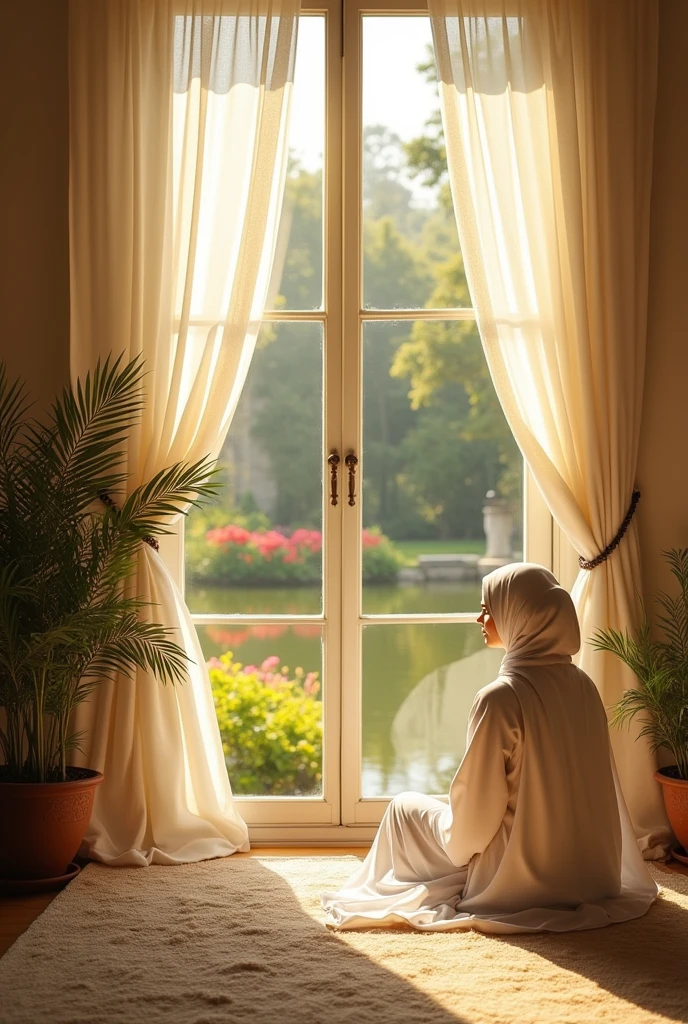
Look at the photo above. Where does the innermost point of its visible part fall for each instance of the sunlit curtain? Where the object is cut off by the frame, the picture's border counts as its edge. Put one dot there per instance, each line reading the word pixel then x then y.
pixel 178 124
pixel 548 114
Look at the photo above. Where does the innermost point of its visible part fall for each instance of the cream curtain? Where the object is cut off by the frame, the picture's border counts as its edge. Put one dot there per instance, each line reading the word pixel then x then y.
pixel 548 113
pixel 178 124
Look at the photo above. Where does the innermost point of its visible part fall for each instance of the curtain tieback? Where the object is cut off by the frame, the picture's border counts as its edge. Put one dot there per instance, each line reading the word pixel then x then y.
pixel 107 500
pixel 604 555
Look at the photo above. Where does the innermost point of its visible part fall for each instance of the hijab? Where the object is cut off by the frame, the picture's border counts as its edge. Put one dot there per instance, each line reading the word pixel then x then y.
pixel 535 617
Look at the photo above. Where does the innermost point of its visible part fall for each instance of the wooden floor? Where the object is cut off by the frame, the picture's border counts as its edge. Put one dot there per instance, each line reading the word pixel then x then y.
pixel 18 912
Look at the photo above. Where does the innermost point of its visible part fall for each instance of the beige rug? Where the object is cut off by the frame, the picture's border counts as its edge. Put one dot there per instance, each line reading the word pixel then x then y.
pixel 237 940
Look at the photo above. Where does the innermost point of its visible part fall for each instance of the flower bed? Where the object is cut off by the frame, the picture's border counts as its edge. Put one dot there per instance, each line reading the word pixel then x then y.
pixel 271 726
pixel 234 554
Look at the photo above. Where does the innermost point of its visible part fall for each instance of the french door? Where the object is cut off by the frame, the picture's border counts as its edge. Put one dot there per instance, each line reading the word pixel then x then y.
pixel 336 584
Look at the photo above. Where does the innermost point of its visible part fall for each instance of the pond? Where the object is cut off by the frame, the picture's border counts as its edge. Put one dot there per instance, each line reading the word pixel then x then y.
pixel 418 680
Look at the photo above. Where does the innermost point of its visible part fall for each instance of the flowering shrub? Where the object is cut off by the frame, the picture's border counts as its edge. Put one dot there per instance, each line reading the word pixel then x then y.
pixel 381 559
pixel 233 553
pixel 271 726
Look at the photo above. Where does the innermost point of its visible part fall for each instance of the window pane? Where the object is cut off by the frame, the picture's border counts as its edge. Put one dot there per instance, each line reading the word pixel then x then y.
pixel 435 445
pixel 418 686
pixel 266 683
pixel 411 256
pixel 264 534
pixel 297 276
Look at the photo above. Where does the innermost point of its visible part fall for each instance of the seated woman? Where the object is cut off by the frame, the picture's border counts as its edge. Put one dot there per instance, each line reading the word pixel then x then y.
pixel 535 835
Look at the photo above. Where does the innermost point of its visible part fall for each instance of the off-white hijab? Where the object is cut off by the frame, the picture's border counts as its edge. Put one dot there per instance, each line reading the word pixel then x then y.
pixel 534 616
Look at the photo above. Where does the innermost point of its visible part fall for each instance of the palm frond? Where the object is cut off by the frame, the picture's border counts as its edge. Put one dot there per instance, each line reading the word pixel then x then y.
pixel 149 507
pixel 13 407
pixel 661 668
pixel 91 421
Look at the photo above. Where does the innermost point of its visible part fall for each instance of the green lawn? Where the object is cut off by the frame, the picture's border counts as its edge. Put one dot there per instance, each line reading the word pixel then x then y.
pixel 412 548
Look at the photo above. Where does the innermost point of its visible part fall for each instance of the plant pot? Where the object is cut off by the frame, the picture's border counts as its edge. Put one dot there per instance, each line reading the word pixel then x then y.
pixel 676 802
pixel 43 824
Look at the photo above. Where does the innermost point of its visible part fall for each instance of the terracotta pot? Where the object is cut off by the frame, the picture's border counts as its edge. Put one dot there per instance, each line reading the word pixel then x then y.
pixel 43 824
pixel 676 802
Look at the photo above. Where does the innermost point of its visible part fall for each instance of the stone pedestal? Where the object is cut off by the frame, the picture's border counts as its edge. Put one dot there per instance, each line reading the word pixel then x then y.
pixel 498 525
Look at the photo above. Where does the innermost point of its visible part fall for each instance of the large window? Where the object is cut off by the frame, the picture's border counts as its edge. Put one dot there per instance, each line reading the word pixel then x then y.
pixel 340 636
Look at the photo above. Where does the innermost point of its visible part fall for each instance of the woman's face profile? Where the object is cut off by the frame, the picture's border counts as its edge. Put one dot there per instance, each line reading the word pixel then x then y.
pixel 488 628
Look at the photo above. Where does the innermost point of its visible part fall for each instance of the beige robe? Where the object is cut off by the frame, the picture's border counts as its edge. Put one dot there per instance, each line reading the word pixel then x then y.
pixel 534 834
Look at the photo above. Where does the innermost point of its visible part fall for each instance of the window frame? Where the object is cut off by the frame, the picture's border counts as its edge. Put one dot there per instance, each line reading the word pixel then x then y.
pixel 341 815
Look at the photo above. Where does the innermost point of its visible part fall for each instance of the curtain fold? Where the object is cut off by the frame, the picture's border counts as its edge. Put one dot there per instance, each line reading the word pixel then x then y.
pixel 178 154
pixel 548 115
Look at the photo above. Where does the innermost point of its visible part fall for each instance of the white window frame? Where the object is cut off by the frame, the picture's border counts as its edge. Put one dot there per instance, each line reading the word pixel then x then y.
pixel 341 815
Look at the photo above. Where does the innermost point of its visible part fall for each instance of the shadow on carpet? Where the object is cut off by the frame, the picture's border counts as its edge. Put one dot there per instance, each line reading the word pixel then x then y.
pixel 241 939
pixel 643 962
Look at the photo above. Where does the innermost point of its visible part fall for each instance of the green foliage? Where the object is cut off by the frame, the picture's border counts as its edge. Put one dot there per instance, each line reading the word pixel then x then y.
pixel 393 267
pixel 287 420
pixel 298 269
pixel 66 617
pixel 661 667
pixel 445 479
pixel 441 353
pixel 271 727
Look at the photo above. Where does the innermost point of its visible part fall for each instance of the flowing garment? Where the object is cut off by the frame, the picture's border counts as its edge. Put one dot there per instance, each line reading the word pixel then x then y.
pixel 535 834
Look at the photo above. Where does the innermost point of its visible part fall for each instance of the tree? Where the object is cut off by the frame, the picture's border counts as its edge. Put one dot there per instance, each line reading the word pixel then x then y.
pixel 435 438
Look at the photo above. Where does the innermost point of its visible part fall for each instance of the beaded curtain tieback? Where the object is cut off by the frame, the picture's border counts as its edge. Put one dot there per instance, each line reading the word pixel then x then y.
pixel 150 541
pixel 613 545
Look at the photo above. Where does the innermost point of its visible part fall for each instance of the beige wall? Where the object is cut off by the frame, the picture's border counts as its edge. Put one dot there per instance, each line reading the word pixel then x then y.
pixel 34 286
pixel 34 258
pixel 663 467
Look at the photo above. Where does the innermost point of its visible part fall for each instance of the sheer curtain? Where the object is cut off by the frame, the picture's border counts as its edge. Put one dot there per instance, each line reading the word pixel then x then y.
pixel 178 136
pixel 548 115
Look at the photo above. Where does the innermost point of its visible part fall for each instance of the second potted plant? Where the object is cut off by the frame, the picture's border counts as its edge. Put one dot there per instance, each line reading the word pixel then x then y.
pixel 661 667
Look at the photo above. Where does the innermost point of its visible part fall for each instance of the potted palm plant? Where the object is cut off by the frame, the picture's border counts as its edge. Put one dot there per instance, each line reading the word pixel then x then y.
pixel 68 616
pixel 661 667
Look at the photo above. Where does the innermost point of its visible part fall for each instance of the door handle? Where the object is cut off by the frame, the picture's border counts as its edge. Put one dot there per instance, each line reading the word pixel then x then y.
pixel 351 463
pixel 333 461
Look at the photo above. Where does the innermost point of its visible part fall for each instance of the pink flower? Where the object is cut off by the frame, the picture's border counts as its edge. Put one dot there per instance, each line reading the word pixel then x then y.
pixel 311 684
pixel 370 540
pixel 311 539
pixel 250 670
pixel 269 541
pixel 230 534
pixel 270 663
